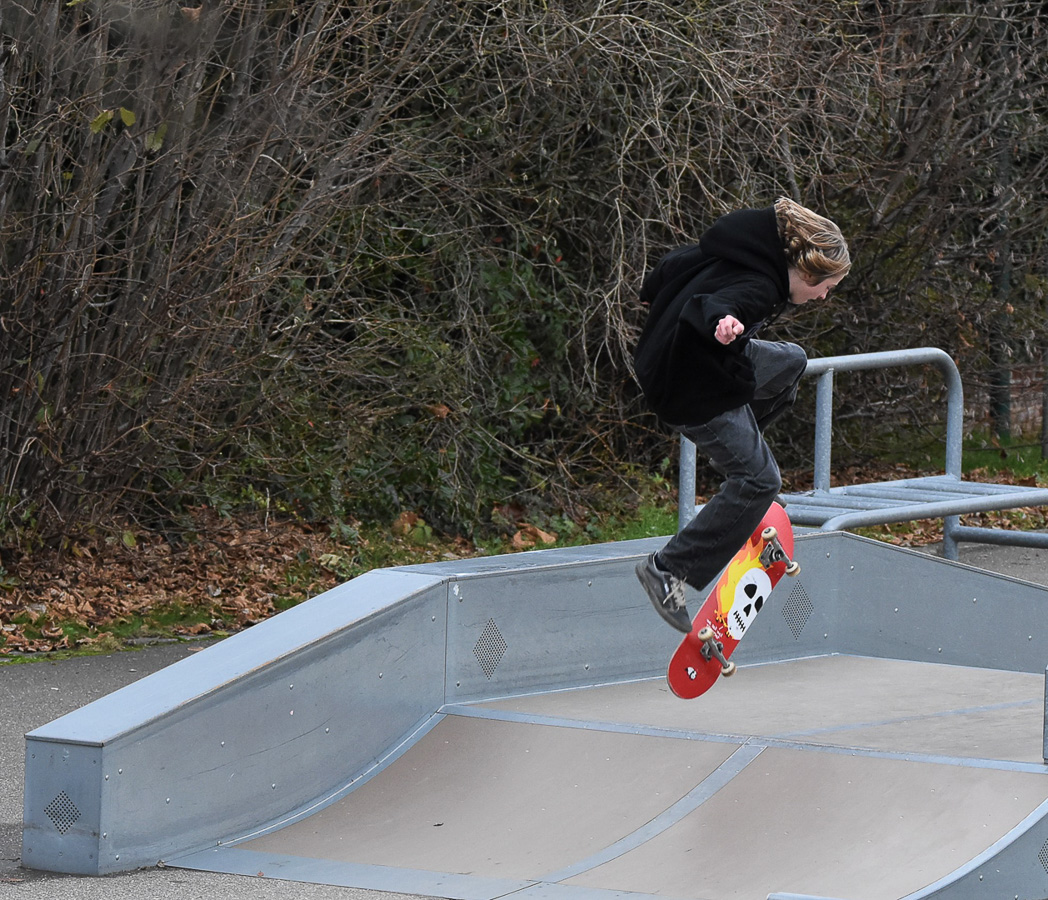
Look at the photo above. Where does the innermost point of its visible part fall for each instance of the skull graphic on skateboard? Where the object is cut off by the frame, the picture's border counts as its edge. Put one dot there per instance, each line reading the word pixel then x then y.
pixel 730 608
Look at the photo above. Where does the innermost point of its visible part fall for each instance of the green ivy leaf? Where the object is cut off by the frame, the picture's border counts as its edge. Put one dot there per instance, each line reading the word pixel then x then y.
pixel 156 140
pixel 101 120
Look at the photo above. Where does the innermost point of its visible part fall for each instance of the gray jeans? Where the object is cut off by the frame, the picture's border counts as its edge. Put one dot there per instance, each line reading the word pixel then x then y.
pixel 734 443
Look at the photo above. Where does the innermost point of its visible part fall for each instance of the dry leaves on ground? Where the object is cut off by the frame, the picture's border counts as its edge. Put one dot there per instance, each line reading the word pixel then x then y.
pixel 234 568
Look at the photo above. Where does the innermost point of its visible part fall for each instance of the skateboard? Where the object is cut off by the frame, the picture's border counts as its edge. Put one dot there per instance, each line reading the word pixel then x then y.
pixel 732 605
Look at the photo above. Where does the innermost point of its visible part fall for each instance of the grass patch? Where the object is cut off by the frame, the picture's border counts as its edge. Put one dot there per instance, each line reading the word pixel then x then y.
pixel 1011 459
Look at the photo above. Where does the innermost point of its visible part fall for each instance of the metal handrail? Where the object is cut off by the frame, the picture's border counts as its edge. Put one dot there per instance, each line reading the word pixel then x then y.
pixel 824 369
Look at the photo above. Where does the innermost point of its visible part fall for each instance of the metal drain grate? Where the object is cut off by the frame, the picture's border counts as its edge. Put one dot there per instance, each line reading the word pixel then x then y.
pixel 490 648
pixel 797 610
pixel 1043 856
pixel 62 812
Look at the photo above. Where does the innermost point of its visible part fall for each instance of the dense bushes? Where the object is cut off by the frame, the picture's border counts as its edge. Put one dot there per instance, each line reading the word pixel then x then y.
pixel 355 258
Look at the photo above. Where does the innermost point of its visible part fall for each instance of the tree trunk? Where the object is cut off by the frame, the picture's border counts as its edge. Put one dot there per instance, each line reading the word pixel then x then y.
pixel 1044 404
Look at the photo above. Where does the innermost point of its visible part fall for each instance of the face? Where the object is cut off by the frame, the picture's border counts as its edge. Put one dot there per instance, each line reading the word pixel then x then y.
pixel 801 291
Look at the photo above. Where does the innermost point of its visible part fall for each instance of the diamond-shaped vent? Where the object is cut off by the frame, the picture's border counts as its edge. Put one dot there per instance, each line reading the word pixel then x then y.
pixel 1043 856
pixel 797 610
pixel 62 812
pixel 490 648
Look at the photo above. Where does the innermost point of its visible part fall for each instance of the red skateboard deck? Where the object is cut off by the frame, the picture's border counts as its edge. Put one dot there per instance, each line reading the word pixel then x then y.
pixel 730 608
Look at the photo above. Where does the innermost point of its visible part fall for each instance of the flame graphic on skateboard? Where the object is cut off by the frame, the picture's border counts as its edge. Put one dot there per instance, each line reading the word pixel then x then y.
pixel 730 608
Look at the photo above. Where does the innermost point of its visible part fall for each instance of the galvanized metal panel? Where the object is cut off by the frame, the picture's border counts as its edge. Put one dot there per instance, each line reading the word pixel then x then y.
pixel 571 620
pixel 902 604
pixel 270 721
pixel 62 807
pixel 801 617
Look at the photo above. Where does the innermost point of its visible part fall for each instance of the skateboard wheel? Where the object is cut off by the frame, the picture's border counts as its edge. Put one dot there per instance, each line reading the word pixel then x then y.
pixel 705 634
pixel 728 669
pixel 769 534
pixel 793 567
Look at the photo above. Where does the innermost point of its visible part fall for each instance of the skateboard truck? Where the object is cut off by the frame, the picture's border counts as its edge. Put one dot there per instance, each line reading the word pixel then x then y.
pixel 773 552
pixel 712 648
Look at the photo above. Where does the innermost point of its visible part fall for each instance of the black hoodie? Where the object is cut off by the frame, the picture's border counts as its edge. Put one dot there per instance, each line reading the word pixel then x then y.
pixel 738 268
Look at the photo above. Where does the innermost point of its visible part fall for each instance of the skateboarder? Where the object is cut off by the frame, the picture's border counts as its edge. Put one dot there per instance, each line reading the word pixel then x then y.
pixel 704 372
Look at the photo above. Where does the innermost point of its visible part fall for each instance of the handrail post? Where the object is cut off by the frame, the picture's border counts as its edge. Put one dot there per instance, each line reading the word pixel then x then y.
pixel 954 416
pixel 823 430
pixel 686 484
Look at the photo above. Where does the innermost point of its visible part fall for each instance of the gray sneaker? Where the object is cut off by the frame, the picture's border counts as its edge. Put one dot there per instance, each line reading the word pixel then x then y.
pixel 666 592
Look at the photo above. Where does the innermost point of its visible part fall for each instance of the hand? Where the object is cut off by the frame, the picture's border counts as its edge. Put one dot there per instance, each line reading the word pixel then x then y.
pixel 728 329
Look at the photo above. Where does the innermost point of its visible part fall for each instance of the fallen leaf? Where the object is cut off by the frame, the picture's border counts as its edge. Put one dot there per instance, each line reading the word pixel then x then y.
pixel 530 535
pixel 405 522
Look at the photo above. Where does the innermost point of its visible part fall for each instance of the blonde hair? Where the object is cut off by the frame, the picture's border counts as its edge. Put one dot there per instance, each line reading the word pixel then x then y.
pixel 814 245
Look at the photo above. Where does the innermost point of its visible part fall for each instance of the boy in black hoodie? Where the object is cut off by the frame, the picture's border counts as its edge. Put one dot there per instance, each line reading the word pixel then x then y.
pixel 706 375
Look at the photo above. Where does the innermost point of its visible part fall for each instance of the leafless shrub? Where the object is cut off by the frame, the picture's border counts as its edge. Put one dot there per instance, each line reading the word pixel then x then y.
pixel 382 254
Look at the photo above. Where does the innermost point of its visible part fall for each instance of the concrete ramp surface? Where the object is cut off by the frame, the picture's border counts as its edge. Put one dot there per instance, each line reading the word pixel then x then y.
pixel 505 728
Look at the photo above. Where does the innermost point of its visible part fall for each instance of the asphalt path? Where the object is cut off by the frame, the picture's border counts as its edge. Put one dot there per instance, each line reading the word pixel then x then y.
pixel 35 693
